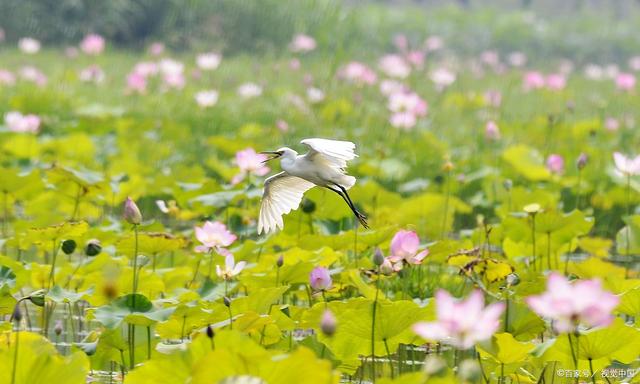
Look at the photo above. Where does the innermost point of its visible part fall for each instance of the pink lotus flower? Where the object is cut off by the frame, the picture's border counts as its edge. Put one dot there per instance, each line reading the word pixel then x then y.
pixel 19 123
pixel 626 166
pixel 34 75
pixel 389 87
pixel 7 78
pixel 403 120
pixel 136 82
pixel 146 68
pixel 416 58
pixel 214 236
pixel 533 80
pixel 29 45
pixel 555 163
pixel 249 90
pixel 174 80
pixel 282 125
pixel 250 163
pixel 302 43
pixel 230 269
pixel 320 279
pixel 208 61
pixel 442 78
pixel 401 42
pixel 407 102
pixel 611 124
pixel 394 66
pixel 358 73
pixel 206 99
pixel 517 59
pixel 493 98
pixel 491 131
pixel 634 63
pixel 92 74
pixel 434 43
pixel 625 81
pixel 556 82
pixel 490 58
pixel 156 49
pixel 131 213
pixel 294 64
pixel 92 44
pixel 461 323
pixel 568 305
pixel 404 247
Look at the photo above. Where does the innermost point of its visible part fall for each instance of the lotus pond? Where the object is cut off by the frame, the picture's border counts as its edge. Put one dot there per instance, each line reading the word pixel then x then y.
pixel 501 193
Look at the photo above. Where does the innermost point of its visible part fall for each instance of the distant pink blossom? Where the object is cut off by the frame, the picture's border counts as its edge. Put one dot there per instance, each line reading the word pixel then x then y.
pixel 403 120
pixel 389 87
pixel 19 123
pixel 611 124
pixel 214 236
pixel 71 52
pixel 555 82
pixel 249 90
pixel 357 73
pixel 250 163
pixel 230 268
pixel 490 58
pixel 625 165
pixel 517 59
pixel 29 45
pixel 294 64
pixel 401 42
pixel 434 43
pixel 394 66
pixel 634 63
pixel 208 61
pixel 491 131
pixel 416 58
pixel 533 80
pixel 92 44
pixel 156 49
pixel 442 77
pixel 405 246
pixel 625 81
pixel 206 99
pixel 407 102
pixel 146 68
pixel 174 80
pixel 136 82
pixel 569 305
pixel 282 125
pixel 315 95
pixel 7 78
pixel 555 163
pixel 92 74
pixel 320 279
pixel 461 323
pixel 493 98
pixel 34 75
pixel 302 43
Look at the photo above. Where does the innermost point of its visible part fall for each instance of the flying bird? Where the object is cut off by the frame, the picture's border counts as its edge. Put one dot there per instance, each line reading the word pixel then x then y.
pixel 323 166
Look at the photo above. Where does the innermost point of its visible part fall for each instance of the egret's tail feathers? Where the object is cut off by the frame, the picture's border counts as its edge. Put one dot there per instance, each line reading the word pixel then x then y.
pixel 362 219
pixel 348 181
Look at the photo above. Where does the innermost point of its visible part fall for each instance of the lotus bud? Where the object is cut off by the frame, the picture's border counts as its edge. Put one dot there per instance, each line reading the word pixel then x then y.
pixel 210 332
pixel 92 248
pixel 582 160
pixel 469 371
pixel 378 257
pixel 308 206
pixel 17 314
pixel 132 213
pixel 386 268
pixel 328 323
pixel 37 297
pixel 280 261
pixel 58 327
pixel 68 246
pixel 513 279
pixel 320 279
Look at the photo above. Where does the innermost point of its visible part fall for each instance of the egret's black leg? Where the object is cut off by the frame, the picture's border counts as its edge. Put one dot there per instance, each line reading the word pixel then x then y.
pixel 342 192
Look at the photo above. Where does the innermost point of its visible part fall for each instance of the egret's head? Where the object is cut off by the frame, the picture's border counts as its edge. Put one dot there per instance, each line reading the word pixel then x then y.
pixel 284 151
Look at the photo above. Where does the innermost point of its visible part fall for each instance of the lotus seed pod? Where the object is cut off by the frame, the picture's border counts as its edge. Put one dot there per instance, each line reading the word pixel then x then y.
pixel 328 323
pixel 93 247
pixel 68 246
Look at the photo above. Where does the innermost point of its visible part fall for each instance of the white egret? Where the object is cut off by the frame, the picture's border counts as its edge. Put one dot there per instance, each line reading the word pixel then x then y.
pixel 324 166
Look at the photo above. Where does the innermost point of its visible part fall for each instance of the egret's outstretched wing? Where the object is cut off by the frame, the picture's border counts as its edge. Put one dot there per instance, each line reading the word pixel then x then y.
pixel 333 152
pixel 282 193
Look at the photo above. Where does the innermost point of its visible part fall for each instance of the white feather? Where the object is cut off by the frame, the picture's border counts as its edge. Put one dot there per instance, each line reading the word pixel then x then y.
pixel 282 194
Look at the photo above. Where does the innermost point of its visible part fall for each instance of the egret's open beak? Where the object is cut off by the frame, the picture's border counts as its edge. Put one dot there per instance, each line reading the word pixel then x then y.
pixel 275 155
